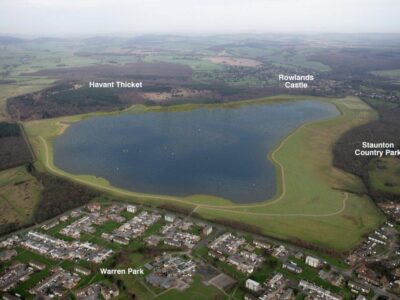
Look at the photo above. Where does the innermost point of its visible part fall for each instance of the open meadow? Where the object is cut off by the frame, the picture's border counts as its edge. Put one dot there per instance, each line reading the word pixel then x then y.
pixel 19 194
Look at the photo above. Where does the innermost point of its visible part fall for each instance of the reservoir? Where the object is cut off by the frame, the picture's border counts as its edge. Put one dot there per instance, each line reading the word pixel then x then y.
pixel 220 151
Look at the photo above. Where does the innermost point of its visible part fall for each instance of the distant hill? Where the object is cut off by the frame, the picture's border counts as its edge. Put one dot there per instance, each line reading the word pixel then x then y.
pixel 96 40
pixel 157 39
pixel 48 39
pixel 4 40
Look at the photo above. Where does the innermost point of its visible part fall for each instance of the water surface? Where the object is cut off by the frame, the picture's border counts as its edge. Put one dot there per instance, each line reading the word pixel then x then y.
pixel 219 151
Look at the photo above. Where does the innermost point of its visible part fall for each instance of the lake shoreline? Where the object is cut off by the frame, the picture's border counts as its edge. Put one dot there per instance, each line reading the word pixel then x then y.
pixel 307 111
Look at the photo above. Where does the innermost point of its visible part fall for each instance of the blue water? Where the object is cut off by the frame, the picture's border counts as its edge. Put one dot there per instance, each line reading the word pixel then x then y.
pixel 221 151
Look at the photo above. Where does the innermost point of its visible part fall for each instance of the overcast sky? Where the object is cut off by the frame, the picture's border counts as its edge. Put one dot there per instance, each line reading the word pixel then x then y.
pixel 96 17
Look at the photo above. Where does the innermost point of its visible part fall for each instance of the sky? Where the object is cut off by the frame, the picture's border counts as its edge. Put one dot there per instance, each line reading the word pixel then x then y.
pixel 105 17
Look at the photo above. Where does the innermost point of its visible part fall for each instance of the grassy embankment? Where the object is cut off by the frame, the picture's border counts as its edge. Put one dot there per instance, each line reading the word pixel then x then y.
pixel 310 203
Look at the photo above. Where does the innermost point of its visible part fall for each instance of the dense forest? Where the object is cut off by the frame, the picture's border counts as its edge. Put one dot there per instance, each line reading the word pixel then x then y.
pixel 385 129
pixel 64 99
pixel 352 61
pixel 58 195
pixel 9 130
pixel 13 149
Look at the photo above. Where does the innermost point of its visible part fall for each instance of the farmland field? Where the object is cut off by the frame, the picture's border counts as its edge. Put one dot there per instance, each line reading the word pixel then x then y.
pixel 19 194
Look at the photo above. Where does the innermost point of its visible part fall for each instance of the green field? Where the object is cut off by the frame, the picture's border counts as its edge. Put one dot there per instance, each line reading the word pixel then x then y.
pixel 17 88
pixel 290 61
pixel 384 175
pixel 19 194
pixel 391 74
pixel 310 204
pixel 197 291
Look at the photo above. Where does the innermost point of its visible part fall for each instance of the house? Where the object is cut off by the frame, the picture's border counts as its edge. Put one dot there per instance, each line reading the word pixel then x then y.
pixel 169 218
pixel 76 213
pixel 170 270
pixel 120 240
pixel 207 230
pixel 91 292
pixel 253 285
pixel 292 267
pixel 321 293
pixel 64 218
pixel 107 236
pixel 332 277
pixel 274 281
pixel 131 208
pixel 280 251
pixel 287 295
pixel 262 245
pixel 153 240
pixel 7 254
pixel 241 263
pixel 250 297
pixel 172 242
pixel 391 225
pixel 352 259
pixel 9 242
pixel 109 292
pixel 8 296
pixel 37 265
pixel 248 247
pixel 50 225
pixel 216 255
pixel 313 262
pixel 368 275
pixel 358 288
pixel 116 218
pixel 381 234
pixel 376 239
pixel 82 270
pixel 93 206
